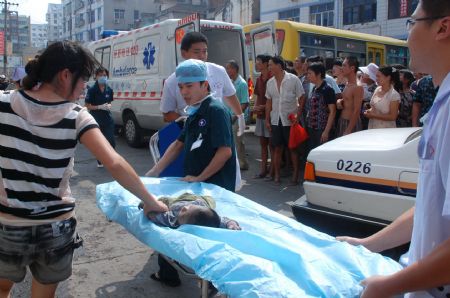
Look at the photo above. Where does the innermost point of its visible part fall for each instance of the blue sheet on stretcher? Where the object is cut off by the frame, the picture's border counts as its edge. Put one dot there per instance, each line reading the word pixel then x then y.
pixel 273 256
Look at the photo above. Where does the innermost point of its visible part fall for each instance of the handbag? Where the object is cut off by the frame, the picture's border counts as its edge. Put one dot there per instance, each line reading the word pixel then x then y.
pixel 297 134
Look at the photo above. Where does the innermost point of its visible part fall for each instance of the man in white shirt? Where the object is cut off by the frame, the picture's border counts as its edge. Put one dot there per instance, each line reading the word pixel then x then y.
pixel 427 225
pixel 194 45
pixel 284 92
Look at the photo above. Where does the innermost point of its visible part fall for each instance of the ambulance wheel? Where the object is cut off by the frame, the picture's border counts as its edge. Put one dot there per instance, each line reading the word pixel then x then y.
pixel 132 130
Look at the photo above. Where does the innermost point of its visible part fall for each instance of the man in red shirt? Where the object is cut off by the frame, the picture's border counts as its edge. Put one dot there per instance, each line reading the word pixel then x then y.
pixel 262 66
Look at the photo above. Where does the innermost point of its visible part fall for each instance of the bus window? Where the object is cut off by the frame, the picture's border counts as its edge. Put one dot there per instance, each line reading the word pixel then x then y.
pixel 397 55
pixel 225 45
pixel 321 45
pixel 262 41
pixel 348 47
pixel 378 58
pixel 248 45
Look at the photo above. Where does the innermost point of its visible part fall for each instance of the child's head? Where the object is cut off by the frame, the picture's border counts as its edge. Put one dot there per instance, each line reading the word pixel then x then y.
pixel 198 215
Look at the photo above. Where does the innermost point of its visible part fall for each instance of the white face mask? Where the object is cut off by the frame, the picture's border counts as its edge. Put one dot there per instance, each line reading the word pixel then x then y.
pixel 102 80
pixel 192 109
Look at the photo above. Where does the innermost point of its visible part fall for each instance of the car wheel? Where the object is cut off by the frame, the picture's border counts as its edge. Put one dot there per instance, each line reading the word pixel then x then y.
pixel 132 130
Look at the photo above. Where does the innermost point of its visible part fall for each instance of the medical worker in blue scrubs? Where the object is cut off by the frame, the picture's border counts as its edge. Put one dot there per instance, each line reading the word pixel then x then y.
pixel 207 141
pixel 207 137
pixel 98 101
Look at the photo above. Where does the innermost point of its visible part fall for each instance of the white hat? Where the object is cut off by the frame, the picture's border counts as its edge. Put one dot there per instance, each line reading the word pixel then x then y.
pixel 370 70
pixel 19 74
pixel 2 77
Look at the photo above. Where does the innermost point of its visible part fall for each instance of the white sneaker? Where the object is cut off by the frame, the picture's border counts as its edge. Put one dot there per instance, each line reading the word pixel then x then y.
pixel 99 165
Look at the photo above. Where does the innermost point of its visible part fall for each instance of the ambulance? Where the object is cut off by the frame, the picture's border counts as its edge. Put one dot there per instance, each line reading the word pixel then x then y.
pixel 362 180
pixel 139 61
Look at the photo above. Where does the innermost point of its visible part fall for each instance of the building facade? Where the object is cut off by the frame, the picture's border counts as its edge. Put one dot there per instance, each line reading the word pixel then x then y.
pixel 39 37
pixel 84 20
pixel 54 19
pixel 17 31
pixel 178 9
pixel 236 11
pixel 383 17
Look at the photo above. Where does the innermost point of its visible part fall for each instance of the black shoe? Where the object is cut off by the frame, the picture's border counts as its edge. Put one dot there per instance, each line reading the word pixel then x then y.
pixel 167 282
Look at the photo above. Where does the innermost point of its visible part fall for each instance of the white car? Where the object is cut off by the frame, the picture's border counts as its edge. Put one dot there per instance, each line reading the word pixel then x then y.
pixel 369 176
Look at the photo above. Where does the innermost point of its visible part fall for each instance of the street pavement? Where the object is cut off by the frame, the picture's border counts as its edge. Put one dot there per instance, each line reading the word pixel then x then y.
pixel 114 263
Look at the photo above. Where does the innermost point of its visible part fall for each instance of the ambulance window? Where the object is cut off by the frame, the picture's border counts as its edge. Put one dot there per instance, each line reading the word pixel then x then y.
pixel 226 45
pixel 180 32
pixel 102 55
pixel 106 57
pixel 123 60
pixel 98 55
pixel 147 55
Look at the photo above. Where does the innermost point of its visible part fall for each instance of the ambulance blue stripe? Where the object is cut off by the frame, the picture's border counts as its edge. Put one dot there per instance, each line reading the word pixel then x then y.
pixel 366 186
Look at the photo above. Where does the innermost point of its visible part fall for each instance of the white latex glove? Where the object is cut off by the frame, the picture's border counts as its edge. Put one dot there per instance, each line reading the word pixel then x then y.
pixel 105 107
pixel 241 125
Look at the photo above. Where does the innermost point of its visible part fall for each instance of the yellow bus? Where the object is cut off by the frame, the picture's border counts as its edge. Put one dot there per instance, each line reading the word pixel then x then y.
pixel 291 40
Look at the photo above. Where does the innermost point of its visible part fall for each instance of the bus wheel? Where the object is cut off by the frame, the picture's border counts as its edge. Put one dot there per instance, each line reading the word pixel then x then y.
pixel 132 130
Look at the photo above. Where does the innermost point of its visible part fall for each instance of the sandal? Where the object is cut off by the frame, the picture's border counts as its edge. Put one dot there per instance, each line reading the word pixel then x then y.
pixel 167 282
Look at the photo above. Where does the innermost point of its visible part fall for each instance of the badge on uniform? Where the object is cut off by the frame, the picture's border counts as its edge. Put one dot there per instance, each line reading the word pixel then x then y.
pixel 197 143
pixel 201 122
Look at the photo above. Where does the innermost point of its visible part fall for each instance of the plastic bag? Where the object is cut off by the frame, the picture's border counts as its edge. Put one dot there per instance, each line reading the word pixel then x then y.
pixel 297 134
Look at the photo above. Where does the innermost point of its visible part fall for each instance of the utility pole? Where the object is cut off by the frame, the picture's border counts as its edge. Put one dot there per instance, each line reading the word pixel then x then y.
pixel 5 14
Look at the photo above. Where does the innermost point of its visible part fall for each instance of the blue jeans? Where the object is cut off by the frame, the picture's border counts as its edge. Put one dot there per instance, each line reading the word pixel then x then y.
pixel 46 249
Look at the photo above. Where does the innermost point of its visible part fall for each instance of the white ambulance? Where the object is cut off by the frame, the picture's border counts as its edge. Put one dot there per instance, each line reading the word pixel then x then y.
pixel 140 60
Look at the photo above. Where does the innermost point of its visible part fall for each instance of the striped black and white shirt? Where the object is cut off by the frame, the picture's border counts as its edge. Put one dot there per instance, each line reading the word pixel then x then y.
pixel 37 146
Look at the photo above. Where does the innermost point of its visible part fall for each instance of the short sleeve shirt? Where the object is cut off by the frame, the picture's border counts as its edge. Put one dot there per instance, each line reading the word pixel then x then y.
pixel 425 94
pixel 260 92
pixel 317 110
pixel 218 79
pixel 241 90
pixel 381 105
pixel 432 210
pixel 331 82
pixel 285 100
pixel 212 125
pixel 38 141
pixel 96 97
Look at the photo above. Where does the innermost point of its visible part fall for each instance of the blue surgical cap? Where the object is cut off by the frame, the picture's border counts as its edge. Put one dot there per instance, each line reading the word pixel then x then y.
pixel 191 71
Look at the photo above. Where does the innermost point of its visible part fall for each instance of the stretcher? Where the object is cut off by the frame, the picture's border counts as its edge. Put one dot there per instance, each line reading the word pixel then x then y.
pixel 273 255
pixel 161 140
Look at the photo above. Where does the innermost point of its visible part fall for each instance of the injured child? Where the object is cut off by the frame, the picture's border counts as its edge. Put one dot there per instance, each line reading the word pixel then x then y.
pixel 186 209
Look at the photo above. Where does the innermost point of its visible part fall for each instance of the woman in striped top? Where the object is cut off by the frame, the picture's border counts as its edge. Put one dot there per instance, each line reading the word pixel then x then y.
pixel 39 130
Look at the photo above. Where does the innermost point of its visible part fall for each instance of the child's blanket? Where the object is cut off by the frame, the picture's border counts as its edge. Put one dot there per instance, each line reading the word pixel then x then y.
pixel 273 255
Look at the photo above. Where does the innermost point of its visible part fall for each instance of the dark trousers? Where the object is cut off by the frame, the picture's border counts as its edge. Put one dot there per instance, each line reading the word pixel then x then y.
pixel 106 124
pixel 166 271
